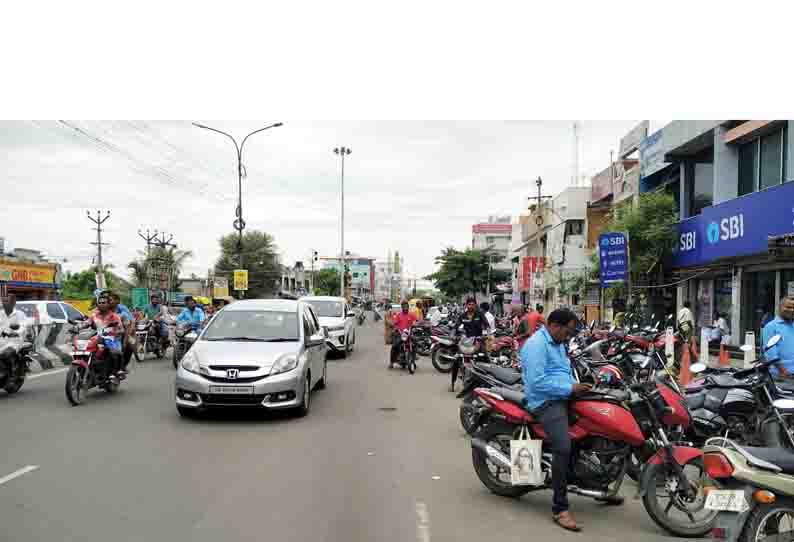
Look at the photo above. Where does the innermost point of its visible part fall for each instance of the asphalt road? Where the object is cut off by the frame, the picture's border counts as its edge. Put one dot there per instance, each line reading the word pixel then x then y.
pixel 381 457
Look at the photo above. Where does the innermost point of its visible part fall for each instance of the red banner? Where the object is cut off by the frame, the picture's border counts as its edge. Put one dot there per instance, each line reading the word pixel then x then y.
pixel 525 274
pixel 533 264
pixel 542 264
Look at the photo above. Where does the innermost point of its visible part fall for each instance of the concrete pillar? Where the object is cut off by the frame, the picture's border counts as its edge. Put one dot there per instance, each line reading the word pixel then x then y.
pixel 726 168
pixel 736 307
pixel 683 186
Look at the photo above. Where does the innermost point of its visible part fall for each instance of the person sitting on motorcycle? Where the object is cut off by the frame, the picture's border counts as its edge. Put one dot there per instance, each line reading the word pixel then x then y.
pixel 191 314
pixel 109 326
pixel 474 325
pixel 403 321
pixel 128 322
pixel 549 383
pixel 158 313
pixel 10 315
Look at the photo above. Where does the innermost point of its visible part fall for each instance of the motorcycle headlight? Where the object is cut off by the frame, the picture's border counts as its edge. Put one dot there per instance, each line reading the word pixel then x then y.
pixel 405 336
pixel 190 362
pixel 285 363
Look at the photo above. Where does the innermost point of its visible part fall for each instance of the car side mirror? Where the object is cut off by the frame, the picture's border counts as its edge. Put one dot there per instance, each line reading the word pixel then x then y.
pixel 316 339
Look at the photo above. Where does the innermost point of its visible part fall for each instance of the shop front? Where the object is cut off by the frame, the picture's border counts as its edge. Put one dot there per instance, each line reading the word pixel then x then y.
pixel 29 281
pixel 726 249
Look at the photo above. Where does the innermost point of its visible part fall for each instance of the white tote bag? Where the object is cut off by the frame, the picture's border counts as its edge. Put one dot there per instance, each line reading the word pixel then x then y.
pixel 525 454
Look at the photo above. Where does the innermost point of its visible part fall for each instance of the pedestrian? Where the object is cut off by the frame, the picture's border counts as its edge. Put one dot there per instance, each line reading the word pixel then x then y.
pixel 490 319
pixel 686 322
pixel 475 326
pixel 783 325
pixel 549 383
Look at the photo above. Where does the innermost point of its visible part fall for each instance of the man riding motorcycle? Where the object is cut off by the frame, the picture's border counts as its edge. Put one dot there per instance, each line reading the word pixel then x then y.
pixel 403 321
pixel 474 325
pixel 10 315
pixel 158 313
pixel 127 321
pixel 106 319
pixel 192 314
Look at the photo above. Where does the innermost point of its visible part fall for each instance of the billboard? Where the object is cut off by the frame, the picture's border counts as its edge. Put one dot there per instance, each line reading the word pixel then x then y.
pixel 631 141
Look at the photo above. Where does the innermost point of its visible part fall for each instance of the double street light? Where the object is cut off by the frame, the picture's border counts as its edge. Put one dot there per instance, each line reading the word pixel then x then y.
pixel 239 223
pixel 342 152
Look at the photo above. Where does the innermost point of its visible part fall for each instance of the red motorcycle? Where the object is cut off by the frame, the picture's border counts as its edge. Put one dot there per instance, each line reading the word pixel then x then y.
pixel 90 360
pixel 609 426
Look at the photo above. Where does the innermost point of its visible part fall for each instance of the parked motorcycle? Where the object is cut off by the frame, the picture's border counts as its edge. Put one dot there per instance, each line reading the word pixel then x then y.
pixel 421 338
pixel 443 352
pixel 15 358
pixel 483 375
pixel 405 355
pixel 90 364
pixel 609 424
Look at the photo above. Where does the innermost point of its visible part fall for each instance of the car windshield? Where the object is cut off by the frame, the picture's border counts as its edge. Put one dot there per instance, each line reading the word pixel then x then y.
pixel 265 326
pixel 327 308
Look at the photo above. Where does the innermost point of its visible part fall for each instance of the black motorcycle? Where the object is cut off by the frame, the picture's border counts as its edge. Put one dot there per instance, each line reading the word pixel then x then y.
pixel 184 337
pixel 404 354
pixel 483 375
pixel 421 340
pixel 15 358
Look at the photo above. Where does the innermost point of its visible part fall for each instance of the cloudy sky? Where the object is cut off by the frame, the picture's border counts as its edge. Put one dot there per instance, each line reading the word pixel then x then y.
pixel 411 186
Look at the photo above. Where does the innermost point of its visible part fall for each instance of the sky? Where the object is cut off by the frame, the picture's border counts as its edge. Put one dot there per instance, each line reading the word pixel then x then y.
pixel 412 186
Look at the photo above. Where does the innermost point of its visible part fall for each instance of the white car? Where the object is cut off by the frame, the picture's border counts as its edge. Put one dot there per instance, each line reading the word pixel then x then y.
pixel 338 318
pixel 49 312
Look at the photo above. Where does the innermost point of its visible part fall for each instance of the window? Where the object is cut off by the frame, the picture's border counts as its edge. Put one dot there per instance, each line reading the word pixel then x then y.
pixel 702 188
pixel 574 227
pixel 54 311
pixel 229 325
pixel 328 308
pixel 72 313
pixel 307 327
pixel 762 162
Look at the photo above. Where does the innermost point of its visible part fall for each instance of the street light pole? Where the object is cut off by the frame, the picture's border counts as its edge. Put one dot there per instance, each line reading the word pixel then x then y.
pixel 342 151
pixel 239 223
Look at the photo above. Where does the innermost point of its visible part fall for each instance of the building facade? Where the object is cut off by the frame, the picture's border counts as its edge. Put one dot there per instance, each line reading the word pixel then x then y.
pixel 496 235
pixel 28 275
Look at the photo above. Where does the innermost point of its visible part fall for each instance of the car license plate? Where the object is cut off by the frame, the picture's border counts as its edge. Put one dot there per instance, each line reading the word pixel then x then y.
pixel 237 390
pixel 726 500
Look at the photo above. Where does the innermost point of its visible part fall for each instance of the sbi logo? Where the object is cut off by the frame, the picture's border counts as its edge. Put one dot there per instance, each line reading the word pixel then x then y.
pixel 731 227
pixel 605 242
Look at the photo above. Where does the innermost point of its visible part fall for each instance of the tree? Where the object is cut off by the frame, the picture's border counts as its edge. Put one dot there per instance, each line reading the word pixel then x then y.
pixel 466 272
pixel 82 284
pixel 650 228
pixel 259 257
pixel 146 270
pixel 326 282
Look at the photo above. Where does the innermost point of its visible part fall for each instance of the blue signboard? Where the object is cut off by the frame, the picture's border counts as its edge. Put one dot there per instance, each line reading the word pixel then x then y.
pixel 739 227
pixel 613 257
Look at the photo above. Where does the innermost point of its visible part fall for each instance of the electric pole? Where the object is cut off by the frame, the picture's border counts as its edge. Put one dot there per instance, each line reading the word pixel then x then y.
pixel 98 221
pixel 342 151
pixel 149 237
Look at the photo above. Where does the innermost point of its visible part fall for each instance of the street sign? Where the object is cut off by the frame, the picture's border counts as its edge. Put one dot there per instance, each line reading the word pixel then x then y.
pixel 613 255
pixel 240 279
pixel 140 297
pixel 220 287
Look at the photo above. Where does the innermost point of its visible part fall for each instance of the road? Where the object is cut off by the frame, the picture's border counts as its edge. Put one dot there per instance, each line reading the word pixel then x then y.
pixel 381 457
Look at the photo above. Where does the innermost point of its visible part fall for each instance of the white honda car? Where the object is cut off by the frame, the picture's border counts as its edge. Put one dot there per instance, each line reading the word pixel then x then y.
pixel 338 318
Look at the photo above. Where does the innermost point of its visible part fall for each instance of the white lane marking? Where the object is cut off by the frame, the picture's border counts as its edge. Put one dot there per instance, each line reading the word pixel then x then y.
pixel 422 522
pixel 18 473
pixel 45 373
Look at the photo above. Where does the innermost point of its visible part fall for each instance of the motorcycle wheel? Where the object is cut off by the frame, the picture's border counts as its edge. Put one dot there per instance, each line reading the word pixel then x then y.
pixel 412 362
pixel 441 365
pixel 140 351
pixel 74 385
pixel 14 384
pixel 656 479
pixel 491 475
pixel 468 411
pixel 769 521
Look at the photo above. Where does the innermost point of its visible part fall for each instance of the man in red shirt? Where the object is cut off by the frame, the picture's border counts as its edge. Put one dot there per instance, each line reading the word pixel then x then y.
pixel 535 319
pixel 403 321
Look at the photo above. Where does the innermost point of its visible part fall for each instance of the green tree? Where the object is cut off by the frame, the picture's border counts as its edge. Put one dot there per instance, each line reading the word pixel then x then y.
pixel 146 270
pixel 81 285
pixel 259 257
pixel 326 282
pixel 466 272
pixel 650 228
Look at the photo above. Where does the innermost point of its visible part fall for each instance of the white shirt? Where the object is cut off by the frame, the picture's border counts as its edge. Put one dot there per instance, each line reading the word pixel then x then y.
pixel 16 317
pixel 685 315
pixel 491 321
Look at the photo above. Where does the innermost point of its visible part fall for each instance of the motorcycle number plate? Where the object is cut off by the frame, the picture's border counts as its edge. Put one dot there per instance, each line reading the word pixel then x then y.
pixel 726 500
pixel 236 390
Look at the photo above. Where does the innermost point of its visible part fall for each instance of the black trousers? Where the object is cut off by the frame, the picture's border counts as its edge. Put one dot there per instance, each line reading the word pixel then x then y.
pixel 554 417
pixel 396 343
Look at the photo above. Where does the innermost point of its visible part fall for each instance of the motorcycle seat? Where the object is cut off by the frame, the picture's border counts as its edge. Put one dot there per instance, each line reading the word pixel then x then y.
pixel 696 401
pixel 727 381
pixel 508 376
pixel 517 397
pixel 777 456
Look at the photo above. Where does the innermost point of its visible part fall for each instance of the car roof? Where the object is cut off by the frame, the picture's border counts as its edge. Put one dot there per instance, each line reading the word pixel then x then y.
pixel 323 298
pixel 282 305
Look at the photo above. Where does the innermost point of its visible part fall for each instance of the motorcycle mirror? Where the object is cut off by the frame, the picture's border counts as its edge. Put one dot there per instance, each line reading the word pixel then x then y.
pixel 697 368
pixel 770 343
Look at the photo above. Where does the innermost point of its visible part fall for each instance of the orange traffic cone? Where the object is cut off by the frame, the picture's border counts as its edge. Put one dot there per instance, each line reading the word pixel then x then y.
pixel 685 376
pixel 724 359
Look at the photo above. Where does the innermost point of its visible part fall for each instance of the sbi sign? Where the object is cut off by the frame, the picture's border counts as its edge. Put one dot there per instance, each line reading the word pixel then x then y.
pixel 731 227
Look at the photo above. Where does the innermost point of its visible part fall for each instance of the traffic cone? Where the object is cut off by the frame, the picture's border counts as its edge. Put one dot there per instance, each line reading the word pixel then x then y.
pixel 684 375
pixel 724 359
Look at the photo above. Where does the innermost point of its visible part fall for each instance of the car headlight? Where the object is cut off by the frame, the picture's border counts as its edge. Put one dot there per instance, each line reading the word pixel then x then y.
pixel 285 363
pixel 190 362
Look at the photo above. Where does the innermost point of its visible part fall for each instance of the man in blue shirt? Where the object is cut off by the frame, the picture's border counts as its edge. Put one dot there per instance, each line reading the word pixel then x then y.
pixel 192 314
pixel 783 325
pixel 549 383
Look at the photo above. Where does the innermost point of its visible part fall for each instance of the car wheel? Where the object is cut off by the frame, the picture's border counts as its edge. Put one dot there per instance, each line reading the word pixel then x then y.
pixel 303 409
pixel 322 383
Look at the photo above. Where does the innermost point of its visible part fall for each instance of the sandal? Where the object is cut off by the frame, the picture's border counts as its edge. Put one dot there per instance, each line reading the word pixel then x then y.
pixel 566 521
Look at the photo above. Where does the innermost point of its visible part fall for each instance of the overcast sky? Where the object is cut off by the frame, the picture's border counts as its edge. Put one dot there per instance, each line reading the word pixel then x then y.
pixel 411 186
